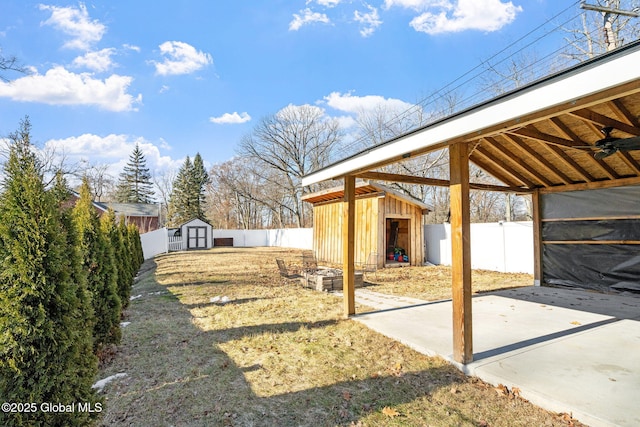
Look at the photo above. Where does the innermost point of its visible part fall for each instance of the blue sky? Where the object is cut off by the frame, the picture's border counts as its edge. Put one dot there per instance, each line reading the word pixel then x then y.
pixel 197 75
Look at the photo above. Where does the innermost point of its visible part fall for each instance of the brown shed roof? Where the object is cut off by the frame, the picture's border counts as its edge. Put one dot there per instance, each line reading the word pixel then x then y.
pixel 363 189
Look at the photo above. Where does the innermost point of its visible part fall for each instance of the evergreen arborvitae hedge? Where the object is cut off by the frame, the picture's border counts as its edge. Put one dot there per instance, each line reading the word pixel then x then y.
pixel 99 263
pixel 122 256
pixel 136 247
pixel 44 350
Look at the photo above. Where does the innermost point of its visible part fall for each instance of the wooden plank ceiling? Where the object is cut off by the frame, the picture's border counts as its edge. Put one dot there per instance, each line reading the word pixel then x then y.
pixel 555 151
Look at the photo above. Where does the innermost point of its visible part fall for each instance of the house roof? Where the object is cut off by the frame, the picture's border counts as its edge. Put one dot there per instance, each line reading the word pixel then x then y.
pixel 127 209
pixel 130 209
pixel 528 138
pixel 363 189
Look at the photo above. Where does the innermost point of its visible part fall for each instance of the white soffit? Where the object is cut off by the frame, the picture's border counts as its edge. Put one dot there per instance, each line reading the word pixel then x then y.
pixel 605 73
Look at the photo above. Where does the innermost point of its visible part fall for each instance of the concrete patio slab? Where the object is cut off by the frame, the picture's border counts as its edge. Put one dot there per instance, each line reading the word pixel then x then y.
pixel 566 350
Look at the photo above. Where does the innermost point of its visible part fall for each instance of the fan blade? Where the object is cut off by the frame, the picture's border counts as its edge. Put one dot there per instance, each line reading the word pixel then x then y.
pixel 605 153
pixel 627 144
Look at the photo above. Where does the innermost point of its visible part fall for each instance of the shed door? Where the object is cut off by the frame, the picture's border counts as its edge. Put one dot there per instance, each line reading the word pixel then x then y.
pixel 196 237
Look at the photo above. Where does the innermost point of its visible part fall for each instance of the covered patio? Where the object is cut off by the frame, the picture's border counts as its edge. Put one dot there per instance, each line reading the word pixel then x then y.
pixel 534 140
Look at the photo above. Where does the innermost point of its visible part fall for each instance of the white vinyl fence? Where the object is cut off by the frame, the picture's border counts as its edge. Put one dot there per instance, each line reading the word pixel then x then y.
pixel 158 241
pixel 505 246
pixel 154 243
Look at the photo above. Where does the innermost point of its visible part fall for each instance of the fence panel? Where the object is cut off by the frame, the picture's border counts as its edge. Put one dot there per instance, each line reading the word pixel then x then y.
pixel 154 243
pixel 175 243
pixel 505 247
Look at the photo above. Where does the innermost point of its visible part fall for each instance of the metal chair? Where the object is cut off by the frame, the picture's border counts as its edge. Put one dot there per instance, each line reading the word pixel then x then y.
pixel 371 266
pixel 284 271
pixel 309 262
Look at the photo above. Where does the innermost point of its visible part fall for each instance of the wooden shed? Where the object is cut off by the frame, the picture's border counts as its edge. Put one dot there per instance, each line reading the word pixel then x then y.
pixel 385 220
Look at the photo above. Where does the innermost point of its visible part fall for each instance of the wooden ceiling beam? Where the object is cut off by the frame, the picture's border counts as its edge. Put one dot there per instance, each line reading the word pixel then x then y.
pixel 601 164
pixel 503 169
pixel 541 161
pixel 623 113
pixel 592 185
pixel 536 135
pixel 603 121
pixel 420 180
pixel 565 158
pixel 630 162
pixel 513 159
pixel 483 164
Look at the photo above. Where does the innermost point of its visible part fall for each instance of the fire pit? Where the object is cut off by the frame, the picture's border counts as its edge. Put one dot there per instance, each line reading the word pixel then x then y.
pixel 327 279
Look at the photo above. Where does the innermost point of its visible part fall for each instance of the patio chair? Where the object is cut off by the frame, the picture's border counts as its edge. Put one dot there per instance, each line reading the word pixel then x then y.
pixel 371 266
pixel 309 262
pixel 284 271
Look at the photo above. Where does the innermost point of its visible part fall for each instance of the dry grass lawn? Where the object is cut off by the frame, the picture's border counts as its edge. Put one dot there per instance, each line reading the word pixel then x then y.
pixel 281 355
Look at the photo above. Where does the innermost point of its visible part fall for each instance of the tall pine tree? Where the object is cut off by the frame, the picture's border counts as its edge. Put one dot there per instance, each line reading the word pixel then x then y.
pixel 200 179
pixel 45 350
pixel 187 199
pixel 134 185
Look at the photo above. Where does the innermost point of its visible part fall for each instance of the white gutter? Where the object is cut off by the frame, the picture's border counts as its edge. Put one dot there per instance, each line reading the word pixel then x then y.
pixel 606 72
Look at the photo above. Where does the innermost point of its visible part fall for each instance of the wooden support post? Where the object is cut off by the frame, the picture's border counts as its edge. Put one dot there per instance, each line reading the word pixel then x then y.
pixel 537 238
pixel 348 245
pixel 461 253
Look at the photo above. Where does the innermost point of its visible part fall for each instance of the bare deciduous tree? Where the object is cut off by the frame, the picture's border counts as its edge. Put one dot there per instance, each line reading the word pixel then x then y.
pixel 603 28
pixel 286 146
pixel 236 196
pixel 163 182
pixel 10 63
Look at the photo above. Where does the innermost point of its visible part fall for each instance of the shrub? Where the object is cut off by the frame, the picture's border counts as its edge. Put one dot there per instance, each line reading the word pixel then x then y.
pixel 99 263
pixel 45 350
pixel 123 262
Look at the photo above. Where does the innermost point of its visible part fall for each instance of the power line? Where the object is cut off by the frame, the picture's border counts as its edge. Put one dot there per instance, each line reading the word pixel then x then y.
pixel 464 80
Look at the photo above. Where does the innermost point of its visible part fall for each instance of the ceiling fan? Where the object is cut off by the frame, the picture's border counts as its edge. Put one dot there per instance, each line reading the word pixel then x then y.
pixel 610 144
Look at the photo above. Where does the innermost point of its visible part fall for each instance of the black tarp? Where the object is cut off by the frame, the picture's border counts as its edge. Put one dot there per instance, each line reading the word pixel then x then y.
pixel 601 220
pixel 603 203
pixel 622 229
pixel 599 267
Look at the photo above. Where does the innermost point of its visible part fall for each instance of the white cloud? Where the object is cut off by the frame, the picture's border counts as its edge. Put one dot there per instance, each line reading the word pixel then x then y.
pixel 96 61
pixel 416 4
pixel 61 87
pixel 326 3
pixel 113 150
pixel 370 21
pixel 360 104
pixel 181 58
pixel 131 47
pixel 164 89
pixel 484 15
pixel 76 23
pixel 307 16
pixel 447 16
pixel 231 118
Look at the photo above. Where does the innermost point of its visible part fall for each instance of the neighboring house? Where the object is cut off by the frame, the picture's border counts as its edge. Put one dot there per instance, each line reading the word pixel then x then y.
pixel 145 216
pixel 193 234
pixel 387 222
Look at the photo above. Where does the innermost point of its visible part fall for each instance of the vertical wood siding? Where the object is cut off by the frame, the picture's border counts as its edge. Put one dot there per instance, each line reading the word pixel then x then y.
pixel 371 215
